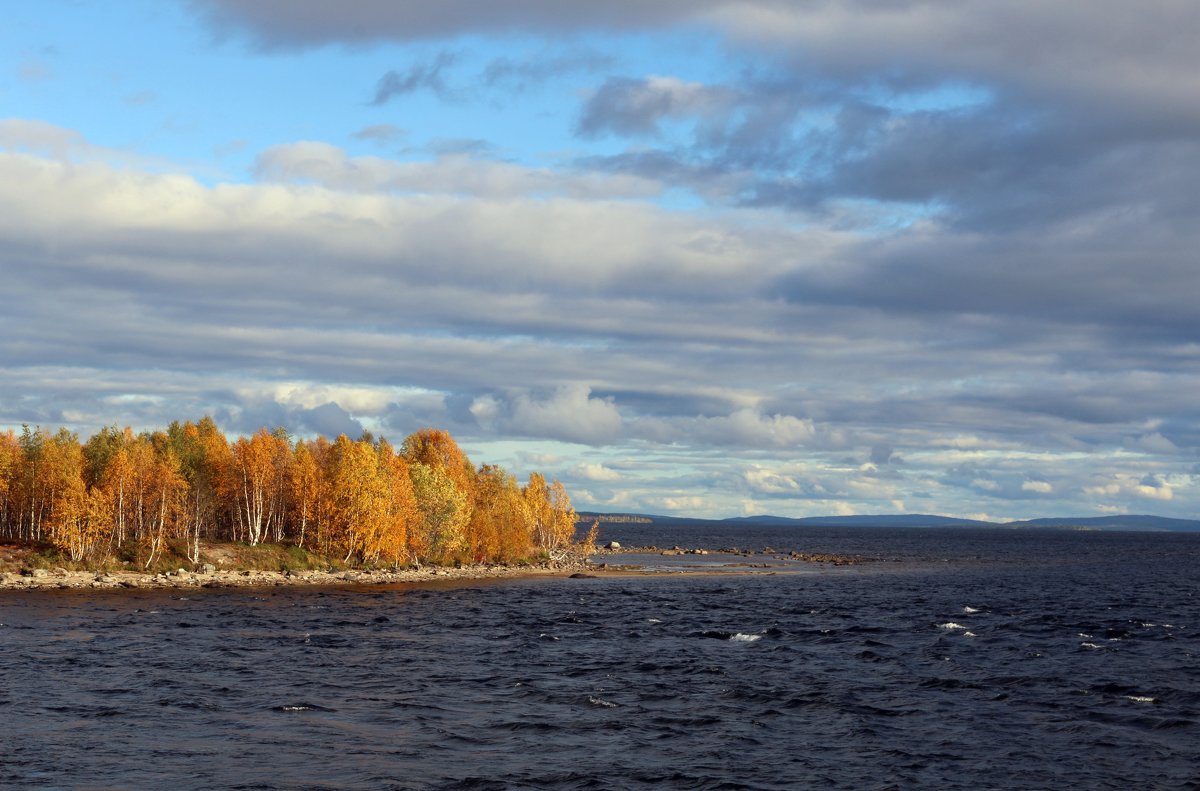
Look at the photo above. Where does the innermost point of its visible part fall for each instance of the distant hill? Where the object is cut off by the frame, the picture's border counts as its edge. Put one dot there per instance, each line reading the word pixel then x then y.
pixel 1130 522
pixel 1122 522
pixel 878 520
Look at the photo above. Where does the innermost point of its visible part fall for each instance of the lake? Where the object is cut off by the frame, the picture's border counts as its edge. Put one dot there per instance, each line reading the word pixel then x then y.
pixel 953 659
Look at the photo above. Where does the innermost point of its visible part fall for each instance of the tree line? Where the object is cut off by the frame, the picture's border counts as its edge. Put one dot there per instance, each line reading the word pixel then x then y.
pixel 362 500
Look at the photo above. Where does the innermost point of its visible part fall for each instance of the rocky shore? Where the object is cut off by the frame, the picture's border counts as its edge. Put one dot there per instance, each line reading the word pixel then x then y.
pixel 209 577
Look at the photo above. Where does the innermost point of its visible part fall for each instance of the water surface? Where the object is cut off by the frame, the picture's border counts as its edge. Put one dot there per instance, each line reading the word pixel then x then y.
pixel 958 660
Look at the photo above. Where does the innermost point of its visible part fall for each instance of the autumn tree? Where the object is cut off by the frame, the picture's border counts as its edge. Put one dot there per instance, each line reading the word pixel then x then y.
pixel 166 502
pixel 10 461
pixel 304 490
pixel 361 497
pixel 402 513
pixel 252 484
pixel 65 518
pixel 31 489
pixel 437 449
pixel 204 462
pixel 445 511
pixel 499 528
pixel 552 517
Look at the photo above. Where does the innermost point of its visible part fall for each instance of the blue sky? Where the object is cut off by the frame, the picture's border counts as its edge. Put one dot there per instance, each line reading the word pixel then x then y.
pixel 706 257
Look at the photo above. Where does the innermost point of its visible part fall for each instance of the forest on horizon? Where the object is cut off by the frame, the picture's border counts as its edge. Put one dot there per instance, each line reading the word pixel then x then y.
pixel 126 495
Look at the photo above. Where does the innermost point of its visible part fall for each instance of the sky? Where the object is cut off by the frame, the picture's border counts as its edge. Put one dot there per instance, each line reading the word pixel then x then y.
pixel 695 257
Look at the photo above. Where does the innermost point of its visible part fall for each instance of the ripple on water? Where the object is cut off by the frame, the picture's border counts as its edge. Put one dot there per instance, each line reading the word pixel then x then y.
pixel 838 681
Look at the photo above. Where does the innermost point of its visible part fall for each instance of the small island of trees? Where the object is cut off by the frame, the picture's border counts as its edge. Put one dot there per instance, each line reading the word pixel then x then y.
pixel 129 497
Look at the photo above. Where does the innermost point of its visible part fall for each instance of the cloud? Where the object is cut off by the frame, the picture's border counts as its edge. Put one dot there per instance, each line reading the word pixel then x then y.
pixel 40 137
pixel 769 482
pixel 342 293
pixel 749 427
pixel 519 73
pixel 418 77
pixel 1146 487
pixel 636 107
pixel 1038 487
pixel 590 471
pixel 1093 53
pixel 456 170
pixel 380 133
pixel 287 24
pixel 1154 443
pixel 1084 50
pixel 570 414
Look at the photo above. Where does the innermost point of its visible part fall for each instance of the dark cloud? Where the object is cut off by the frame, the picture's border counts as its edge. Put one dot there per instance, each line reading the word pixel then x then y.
pixel 637 106
pixel 300 23
pixel 462 145
pixel 417 77
pixel 519 73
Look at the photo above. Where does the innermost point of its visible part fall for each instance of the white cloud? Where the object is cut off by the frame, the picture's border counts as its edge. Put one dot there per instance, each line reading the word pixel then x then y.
pixel 570 414
pixel 590 471
pixel 1159 491
pixel 750 427
pixel 1040 487
pixel 320 163
pixel 689 504
pixel 1146 487
pixel 766 481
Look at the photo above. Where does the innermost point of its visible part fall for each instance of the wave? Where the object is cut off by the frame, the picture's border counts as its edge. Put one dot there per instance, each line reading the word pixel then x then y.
pixel 301 707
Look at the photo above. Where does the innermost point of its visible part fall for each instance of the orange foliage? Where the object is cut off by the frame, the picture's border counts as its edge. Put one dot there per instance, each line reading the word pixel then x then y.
pixel 360 498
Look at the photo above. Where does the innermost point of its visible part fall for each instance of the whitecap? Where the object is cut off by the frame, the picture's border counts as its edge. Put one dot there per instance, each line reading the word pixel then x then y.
pixel 1140 699
pixel 295 708
pixel 653 620
pixel 601 702
pixel 951 626
pixel 969 610
pixel 969 634
pixel 1084 635
pixel 745 638
pixel 1092 646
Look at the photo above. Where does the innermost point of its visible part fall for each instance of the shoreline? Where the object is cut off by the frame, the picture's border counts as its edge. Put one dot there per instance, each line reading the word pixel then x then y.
pixel 182 579
pixel 595 566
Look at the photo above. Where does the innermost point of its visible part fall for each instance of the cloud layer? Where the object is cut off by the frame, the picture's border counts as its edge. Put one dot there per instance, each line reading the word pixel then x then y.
pixel 878 257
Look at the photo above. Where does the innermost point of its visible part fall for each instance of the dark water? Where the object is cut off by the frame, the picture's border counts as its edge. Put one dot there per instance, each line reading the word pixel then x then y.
pixel 961 660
